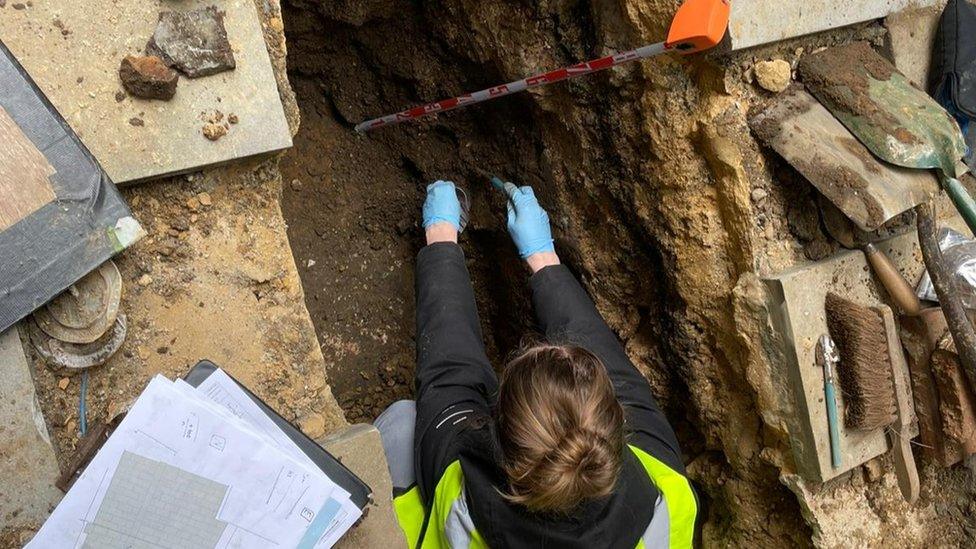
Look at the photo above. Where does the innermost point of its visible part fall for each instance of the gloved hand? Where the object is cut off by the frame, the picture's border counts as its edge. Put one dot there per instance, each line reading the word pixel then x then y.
pixel 442 205
pixel 528 223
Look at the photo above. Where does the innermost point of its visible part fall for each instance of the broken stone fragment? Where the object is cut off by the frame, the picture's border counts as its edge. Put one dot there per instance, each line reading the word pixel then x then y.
pixel 214 131
pixel 312 424
pixel 148 77
pixel 773 75
pixel 193 42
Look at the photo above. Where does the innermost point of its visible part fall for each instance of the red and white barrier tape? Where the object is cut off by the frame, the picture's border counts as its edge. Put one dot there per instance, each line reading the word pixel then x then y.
pixel 514 87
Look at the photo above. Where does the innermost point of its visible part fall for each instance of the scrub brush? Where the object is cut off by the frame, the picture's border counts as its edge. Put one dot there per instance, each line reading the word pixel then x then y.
pixel 865 369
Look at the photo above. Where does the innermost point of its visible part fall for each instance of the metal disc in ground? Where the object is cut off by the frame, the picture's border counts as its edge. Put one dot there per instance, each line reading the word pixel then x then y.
pixel 85 311
pixel 79 357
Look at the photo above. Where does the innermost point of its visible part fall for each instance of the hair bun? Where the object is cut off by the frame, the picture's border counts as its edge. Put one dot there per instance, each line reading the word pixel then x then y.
pixel 561 429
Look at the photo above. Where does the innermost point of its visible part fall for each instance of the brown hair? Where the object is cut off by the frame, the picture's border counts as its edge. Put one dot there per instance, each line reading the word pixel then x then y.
pixel 560 428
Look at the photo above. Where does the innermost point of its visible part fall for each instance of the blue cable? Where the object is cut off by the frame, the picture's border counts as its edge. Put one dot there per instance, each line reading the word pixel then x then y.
pixel 82 419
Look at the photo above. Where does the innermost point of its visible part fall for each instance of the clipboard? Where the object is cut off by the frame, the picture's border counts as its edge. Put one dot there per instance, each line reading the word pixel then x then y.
pixel 359 492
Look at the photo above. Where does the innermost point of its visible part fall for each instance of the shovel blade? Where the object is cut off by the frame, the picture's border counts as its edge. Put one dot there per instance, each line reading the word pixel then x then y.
pixel 898 122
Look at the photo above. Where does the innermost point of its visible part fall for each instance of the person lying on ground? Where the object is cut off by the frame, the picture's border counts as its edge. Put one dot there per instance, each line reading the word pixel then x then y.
pixel 568 449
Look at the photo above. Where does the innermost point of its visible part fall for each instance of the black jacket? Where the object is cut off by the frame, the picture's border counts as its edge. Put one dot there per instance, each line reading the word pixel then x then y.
pixel 457 390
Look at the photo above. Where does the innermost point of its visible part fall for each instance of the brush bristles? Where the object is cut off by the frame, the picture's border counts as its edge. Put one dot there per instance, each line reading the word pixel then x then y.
pixel 865 365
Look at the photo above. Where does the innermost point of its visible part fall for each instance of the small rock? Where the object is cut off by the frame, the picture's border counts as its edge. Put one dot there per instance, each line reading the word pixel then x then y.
pixel 818 249
pixel 65 31
pixel 162 350
pixel 310 263
pixel 70 427
pixel 312 424
pixel 145 280
pixel 758 195
pixel 232 118
pixel 214 131
pixel 193 203
pixel 205 199
pixel 194 42
pixel 873 470
pixel 403 226
pixel 18 6
pixel 136 121
pixel 148 77
pixel 119 96
pixel 773 75
pixel 180 224
pixel 63 383
pixel 296 185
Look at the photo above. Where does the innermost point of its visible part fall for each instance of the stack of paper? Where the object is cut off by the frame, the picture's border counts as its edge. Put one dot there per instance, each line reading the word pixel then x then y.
pixel 199 467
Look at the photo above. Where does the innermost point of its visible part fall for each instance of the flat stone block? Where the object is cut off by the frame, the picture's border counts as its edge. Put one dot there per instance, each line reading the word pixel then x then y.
pixel 756 22
pixel 73 51
pixel 28 466
pixel 360 449
pixel 911 36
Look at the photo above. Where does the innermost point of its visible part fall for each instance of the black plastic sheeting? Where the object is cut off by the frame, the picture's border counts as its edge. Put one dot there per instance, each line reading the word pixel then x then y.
pixel 88 222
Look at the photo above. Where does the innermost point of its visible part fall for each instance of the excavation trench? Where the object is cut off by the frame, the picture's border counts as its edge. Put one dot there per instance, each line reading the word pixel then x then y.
pixel 612 157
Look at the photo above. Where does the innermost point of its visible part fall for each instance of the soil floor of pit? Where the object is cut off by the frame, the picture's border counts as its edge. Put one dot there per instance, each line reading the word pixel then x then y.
pixel 353 223
pixel 353 206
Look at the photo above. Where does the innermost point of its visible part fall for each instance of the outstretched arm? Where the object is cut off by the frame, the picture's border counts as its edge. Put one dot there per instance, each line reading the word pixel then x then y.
pixel 567 316
pixel 455 381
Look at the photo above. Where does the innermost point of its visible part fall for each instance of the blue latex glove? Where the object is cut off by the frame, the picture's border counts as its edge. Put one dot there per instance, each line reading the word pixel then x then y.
pixel 528 223
pixel 442 205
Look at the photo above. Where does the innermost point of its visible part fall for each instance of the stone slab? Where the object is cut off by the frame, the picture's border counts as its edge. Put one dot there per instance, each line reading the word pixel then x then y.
pixel 910 38
pixel 73 51
pixel 796 302
pixel 756 22
pixel 360 449
pixel 28 465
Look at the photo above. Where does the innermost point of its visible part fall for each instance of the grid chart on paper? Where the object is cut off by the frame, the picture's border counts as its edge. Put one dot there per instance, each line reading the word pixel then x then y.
pixel 150 504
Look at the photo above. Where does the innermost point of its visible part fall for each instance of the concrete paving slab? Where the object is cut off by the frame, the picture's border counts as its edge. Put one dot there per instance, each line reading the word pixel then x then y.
pixel 756 22
pixel 28 465
pixel 360 449
pixel 911 36
pixel 73 50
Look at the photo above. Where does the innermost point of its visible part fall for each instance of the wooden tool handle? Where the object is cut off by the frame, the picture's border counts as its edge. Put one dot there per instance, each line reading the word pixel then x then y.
pixel 904 461
pixel 896 285
pixel 901 450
